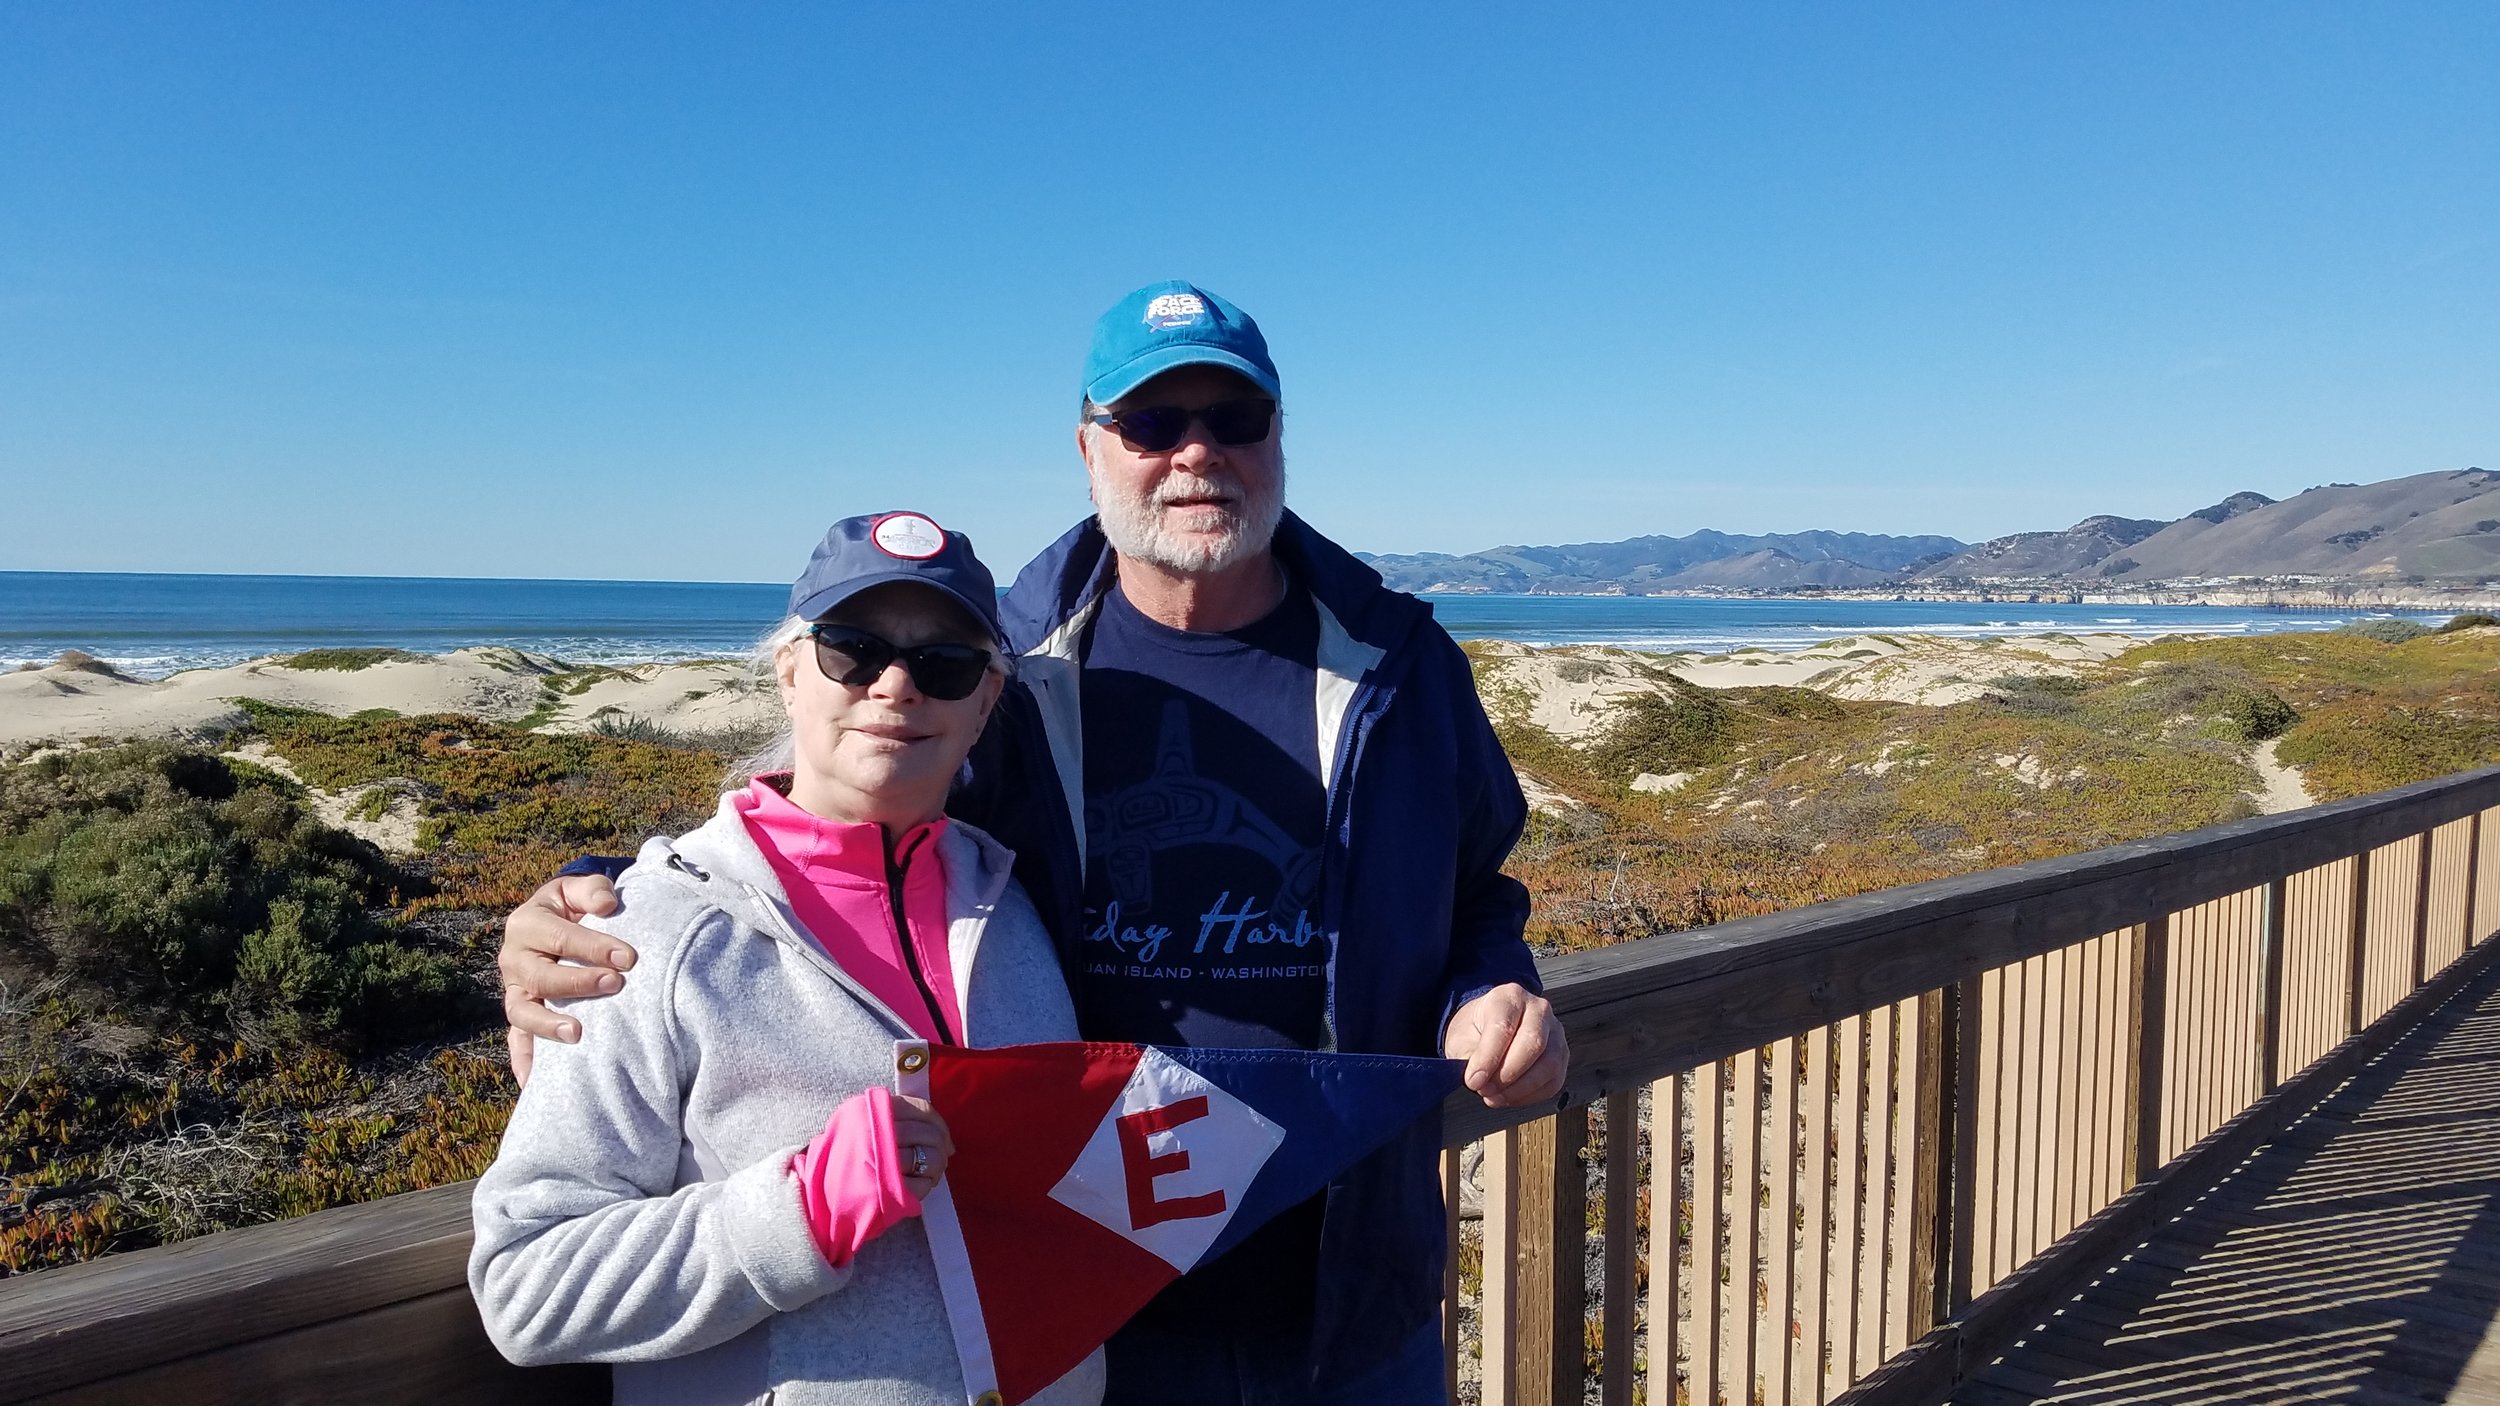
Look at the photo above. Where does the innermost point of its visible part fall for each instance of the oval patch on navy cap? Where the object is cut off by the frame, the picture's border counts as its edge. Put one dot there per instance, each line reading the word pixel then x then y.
pixel 909 536
pixel 1176 310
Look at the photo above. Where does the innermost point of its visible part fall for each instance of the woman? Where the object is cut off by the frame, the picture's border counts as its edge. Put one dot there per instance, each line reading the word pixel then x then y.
pixel 714 1189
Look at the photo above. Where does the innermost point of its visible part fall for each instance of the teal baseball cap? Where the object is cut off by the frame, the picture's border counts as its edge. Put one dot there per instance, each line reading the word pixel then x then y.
pixel 1167 325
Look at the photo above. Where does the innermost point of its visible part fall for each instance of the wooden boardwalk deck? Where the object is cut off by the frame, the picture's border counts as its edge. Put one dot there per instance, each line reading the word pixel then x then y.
pixel 2356 1258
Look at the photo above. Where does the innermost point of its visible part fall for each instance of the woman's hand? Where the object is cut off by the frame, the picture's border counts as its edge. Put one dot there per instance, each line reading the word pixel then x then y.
pixel 538 938
pixel 921 1139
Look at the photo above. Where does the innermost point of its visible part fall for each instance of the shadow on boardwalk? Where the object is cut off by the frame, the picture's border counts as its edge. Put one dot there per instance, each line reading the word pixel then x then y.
pixel 2356 1258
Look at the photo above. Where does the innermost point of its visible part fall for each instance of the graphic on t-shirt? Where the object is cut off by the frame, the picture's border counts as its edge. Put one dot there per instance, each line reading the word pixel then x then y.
pixel 1176 806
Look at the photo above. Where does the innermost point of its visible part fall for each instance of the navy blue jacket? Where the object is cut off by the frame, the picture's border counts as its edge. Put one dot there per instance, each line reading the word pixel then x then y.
pixel 1422 810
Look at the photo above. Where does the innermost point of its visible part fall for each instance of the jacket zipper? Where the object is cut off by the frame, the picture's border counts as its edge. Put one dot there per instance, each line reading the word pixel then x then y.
pixel 810 952
pixel 911 955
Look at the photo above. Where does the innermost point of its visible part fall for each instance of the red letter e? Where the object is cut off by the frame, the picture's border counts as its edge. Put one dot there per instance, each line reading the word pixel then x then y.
pixel 1143 1166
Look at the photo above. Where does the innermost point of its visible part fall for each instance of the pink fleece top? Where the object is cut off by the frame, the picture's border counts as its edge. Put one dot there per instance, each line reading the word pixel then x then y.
pixel 836 878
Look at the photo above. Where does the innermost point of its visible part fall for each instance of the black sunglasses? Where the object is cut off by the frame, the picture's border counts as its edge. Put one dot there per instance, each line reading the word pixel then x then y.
pixel 855 659
pixel 1155 428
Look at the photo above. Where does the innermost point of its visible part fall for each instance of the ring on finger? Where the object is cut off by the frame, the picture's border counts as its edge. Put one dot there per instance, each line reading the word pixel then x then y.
pixel 920 1163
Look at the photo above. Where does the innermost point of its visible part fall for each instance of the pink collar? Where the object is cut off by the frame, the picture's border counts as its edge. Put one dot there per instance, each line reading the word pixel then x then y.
pixel 826 848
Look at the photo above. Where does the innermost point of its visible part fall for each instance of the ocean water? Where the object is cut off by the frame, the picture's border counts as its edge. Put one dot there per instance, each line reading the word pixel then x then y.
pixel 153 625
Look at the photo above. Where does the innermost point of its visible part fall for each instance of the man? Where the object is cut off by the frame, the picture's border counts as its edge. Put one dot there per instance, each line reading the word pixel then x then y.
pixel 1255 795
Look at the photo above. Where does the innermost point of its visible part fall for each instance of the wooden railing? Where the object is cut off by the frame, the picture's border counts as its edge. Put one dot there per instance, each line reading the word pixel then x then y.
pixel 1894 1127
pixel 1844 1153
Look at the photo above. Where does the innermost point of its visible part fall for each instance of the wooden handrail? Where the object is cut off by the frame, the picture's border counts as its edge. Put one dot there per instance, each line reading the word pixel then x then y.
pixel 1913 1012
pixel 1673 1001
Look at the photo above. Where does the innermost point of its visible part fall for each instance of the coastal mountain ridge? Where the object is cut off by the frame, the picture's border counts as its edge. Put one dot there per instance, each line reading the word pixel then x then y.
pixel 1640 564
pixel 2442 526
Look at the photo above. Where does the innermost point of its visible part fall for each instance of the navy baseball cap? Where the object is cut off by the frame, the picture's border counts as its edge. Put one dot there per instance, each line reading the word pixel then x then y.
pixel 1172 324
pixel 860 552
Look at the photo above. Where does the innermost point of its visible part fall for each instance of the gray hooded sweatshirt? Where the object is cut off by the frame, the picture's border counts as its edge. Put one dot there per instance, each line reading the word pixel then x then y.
pixel 642 1210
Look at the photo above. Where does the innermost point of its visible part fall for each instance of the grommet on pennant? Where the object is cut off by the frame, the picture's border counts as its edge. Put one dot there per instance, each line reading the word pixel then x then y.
pixel 988 1398
pixel 913 1061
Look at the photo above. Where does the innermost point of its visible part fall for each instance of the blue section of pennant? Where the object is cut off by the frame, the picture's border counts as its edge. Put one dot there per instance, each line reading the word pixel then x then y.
pixel 1336 1109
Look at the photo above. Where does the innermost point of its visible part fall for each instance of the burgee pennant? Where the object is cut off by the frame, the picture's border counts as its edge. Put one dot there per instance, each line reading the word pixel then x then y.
pixel 1088 1176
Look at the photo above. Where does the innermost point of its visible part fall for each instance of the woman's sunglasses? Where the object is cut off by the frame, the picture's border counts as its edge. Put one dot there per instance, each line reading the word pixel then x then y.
pixel 855 659
pixel 1156 428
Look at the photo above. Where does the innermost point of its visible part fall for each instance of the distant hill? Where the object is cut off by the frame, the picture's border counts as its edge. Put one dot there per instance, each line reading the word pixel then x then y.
pixel 2028 554
pixel 2441 526
pixel 2444 524
pixel 1641 564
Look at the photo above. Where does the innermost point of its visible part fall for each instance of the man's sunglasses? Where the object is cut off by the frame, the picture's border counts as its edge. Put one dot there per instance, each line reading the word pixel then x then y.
pixel 856 658
pixel 1155 428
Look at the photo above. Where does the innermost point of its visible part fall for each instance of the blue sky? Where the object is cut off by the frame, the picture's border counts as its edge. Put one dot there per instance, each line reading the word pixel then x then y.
pixel 657 291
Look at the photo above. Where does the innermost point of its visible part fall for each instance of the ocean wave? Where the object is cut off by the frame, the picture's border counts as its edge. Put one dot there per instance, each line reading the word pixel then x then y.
pixel 160 662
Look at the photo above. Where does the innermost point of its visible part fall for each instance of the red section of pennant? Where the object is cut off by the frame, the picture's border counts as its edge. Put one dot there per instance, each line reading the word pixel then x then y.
pixel 1053 1284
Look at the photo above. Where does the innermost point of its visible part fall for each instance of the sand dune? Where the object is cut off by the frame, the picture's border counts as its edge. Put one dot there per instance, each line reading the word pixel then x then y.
pixel 64 704
pixel 1571 690
pixel 1568 691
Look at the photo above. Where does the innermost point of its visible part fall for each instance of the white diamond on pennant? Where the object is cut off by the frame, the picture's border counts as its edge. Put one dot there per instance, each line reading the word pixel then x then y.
pixel 1169 1164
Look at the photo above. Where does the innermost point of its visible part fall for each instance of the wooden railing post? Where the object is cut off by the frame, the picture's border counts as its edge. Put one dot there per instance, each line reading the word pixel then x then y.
pixel 2358 966
pixel 1931 1220
pixel 2473 877
pixel 1553 1247
pixel 2270 988
pixel 1666 1236
pixel 2422 908
pixel 1497 1320
pixel 1623 1198
pixel 2148 1021
pixel 1960 1154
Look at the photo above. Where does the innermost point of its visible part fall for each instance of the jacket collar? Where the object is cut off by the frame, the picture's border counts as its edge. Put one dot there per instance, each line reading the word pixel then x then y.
pixel 722 857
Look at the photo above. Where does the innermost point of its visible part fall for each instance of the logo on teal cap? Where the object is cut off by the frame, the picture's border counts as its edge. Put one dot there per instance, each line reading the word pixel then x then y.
pixel 1176 310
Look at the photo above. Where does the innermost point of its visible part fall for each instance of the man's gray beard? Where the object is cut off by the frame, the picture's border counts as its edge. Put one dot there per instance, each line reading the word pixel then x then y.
pixel 1135 529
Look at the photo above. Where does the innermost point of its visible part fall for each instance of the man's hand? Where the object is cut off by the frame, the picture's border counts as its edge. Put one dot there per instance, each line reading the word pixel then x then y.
pixel 539 935
pixel 1513 1044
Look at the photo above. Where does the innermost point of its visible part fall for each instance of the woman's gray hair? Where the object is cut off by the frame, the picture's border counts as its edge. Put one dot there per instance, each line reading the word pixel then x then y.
pixel 764 668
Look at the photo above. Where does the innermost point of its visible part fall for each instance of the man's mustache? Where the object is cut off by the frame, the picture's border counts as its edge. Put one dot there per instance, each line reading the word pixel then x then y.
pixel 1200 491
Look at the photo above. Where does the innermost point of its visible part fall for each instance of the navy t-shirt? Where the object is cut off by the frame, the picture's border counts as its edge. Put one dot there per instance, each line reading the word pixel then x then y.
pixel 1203 819
pixel 1204 815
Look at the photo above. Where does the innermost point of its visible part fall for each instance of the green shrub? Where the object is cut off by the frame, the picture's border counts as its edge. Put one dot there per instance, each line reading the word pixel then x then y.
pixel 2472 620
pixel 2388 631
pixel 345 660
pixel 2260 714
pixel 2044 695
pixel 1692 727
pixel 197 895
pixel 1780 701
